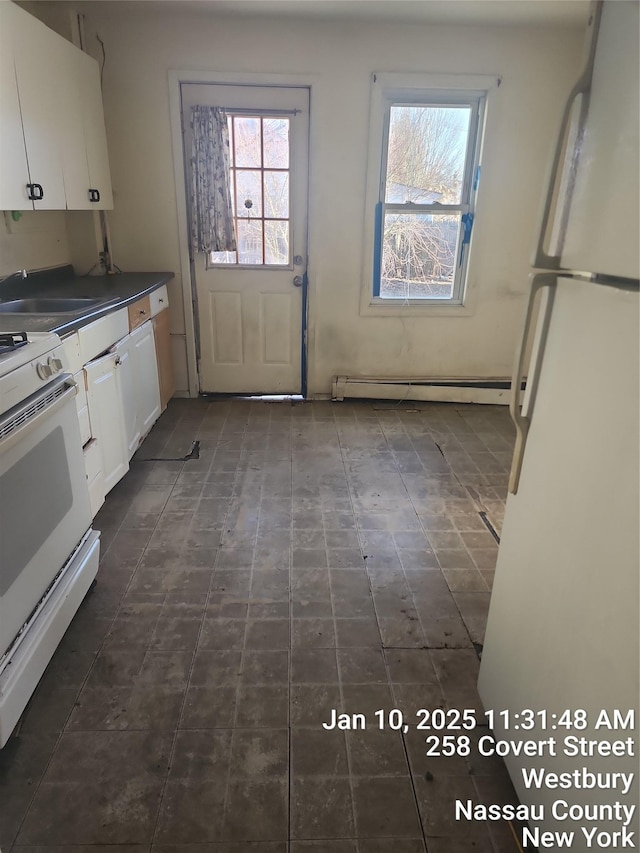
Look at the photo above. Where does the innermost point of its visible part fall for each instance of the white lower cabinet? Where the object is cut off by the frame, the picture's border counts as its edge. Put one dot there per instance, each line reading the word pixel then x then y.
pixel 82 407
pixel 95 480
pixel 145 374
pixel 107 420
pixel 118 397
pixel 138 383
pixel 124 350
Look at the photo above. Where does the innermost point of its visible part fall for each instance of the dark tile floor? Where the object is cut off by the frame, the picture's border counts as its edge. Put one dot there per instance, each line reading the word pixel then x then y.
pixel 315 556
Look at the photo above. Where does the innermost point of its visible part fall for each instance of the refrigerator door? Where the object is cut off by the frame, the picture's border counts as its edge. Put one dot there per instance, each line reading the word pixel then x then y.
pixel 603 222
pixel 563 628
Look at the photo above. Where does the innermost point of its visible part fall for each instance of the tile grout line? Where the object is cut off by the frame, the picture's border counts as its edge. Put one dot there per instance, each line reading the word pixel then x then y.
pixel 335 631
pixel 184 699
pixel 390 683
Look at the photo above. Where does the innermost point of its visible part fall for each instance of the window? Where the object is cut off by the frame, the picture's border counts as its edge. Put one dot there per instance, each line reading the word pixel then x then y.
pixel 425 206
pixel 259 177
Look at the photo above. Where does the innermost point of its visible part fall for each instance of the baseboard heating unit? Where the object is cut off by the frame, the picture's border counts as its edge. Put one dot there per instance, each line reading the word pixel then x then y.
pixel 491 391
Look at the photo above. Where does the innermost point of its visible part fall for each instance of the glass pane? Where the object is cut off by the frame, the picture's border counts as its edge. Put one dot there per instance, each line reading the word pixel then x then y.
pixel 276 242
pixel 223 258
pixel 276 143
pixel 246 141
pixel 249 191
pixel 249 241
pixel 419 255
pixel 231 143
pixel 276 194
pixel 426 154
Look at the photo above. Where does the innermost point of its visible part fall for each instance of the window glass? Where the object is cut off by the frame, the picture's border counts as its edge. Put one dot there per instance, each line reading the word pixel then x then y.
pixel 259 181
pixel 426 209
pixel 426 154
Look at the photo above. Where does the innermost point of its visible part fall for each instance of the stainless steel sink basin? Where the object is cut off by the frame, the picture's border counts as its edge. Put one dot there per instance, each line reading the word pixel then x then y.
pixel 53 305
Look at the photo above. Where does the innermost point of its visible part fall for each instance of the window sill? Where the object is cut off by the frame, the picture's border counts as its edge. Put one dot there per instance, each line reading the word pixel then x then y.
pixel 381 307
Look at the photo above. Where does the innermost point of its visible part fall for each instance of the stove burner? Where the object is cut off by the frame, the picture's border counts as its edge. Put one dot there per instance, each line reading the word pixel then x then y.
pixel 12 341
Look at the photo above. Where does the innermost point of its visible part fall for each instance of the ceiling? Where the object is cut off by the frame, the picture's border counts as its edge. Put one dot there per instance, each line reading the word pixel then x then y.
pixel 564 13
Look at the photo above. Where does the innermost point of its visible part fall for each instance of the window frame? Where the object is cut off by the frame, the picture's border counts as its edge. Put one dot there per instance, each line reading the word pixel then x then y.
pixel 468 189
pixel 399 89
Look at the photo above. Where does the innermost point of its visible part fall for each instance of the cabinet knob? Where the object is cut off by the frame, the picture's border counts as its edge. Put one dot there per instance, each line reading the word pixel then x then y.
pixel 35 192
pixel 94 195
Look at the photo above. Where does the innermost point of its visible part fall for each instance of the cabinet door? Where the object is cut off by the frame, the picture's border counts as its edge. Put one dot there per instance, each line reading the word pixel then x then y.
pixel 145 371
pixel 14 172
pixel 75 166
pixel 164 356
pixel 36 54
pixel 95 137
pixel 107 422
pixel 128 393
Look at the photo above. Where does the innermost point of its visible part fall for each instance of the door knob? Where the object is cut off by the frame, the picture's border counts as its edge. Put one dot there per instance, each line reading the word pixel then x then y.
pixel 297 281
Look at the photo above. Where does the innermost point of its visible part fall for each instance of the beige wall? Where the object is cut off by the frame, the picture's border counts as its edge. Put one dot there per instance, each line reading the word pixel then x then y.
pixel 537 66
pixel 38 239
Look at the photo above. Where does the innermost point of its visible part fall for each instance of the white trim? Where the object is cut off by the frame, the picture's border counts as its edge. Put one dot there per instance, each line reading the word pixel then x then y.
pixel 176 78
pixel 175 115
pixel 393 82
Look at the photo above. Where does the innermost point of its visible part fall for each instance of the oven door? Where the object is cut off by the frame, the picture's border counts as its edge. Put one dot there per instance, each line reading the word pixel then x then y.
pixel 44 499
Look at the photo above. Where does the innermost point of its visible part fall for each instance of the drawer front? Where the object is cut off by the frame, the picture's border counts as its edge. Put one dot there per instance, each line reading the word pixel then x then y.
pixel 85 425
pixel 96 493
pixel 81 396
pixel 139 312
pixel 92 460
pixel 159 300
pixel 71 346
pixel 82 406
pixel 98 336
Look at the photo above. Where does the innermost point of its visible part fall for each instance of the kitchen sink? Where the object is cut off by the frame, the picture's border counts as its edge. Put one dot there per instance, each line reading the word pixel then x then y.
pixel 53 305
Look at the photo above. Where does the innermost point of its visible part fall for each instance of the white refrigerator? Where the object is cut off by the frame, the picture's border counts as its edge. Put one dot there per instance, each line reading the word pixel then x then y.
pixel 563 634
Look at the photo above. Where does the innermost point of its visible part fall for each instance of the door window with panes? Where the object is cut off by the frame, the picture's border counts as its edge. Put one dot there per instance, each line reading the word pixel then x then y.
pixel 259 178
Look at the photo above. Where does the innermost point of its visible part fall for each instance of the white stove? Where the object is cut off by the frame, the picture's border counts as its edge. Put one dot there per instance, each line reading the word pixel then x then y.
pixel 34 359
pixel 48 552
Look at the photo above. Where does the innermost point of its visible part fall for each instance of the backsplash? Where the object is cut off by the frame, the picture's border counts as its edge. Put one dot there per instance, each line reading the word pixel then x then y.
pixel 38 239
pixel 48 238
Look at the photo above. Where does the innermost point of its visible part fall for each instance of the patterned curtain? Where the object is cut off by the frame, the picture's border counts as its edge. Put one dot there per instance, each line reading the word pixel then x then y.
pixel 211 214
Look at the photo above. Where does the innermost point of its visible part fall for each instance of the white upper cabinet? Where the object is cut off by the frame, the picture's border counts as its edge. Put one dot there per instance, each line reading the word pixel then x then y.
pixel 95 137
pixel 53 152
pixel 14 172
pixel 75 165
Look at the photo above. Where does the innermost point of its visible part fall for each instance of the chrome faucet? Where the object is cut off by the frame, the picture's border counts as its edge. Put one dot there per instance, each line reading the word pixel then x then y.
pixel 17 274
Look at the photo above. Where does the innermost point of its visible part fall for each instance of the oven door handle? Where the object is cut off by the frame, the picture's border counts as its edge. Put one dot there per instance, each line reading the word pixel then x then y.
pixel 27 416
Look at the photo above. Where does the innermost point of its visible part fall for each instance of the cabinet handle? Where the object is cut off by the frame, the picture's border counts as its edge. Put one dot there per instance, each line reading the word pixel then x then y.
pixel 35 192
pixel 94 195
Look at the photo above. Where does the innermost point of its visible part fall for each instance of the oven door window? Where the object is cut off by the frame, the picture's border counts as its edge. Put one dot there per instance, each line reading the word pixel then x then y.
pixel 42 476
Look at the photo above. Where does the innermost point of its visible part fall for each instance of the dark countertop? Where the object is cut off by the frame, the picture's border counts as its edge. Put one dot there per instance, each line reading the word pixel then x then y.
pixel 62 282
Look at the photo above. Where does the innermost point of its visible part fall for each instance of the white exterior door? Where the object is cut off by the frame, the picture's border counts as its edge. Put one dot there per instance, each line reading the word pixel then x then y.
pixel 250 302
